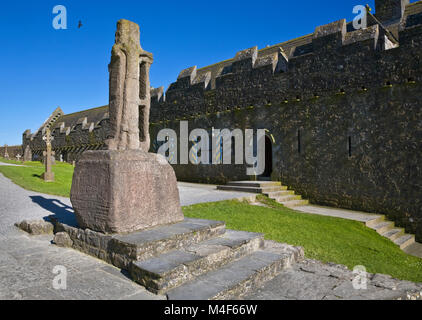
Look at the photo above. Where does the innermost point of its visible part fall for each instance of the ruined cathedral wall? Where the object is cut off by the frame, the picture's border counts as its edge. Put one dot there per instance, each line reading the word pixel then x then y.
pixel 353 107
pixel 70 142
pixel 12 151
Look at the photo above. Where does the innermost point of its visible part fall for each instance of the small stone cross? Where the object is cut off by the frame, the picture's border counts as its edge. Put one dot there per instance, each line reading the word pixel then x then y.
pixel 6 155
pixel 48 175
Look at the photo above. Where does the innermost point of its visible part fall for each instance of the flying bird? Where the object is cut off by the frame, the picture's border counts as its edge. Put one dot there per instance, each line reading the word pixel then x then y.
pixel 80 24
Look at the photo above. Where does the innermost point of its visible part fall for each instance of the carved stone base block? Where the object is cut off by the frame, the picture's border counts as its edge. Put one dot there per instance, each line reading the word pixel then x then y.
pixel 124 191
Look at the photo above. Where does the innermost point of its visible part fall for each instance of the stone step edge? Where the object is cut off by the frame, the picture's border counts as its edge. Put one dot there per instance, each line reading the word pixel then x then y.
pixel 399 238
pixel 288 256
pixel 281 193
pixel 120 254
pixel 383 227
pixel 252 189
pixel 294 203
pixel 254 184
pixel 405 240
pixel 394 233
pixel 188 271
pixel 287 198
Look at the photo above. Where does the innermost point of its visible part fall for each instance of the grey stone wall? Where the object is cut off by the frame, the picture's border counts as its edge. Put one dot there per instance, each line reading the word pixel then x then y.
pixel 343 87
pixel 12 151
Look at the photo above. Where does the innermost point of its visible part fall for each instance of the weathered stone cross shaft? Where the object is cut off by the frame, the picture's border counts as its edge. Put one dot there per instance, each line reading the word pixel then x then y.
pixel 125 188
pixel 48 175
pixel 129 104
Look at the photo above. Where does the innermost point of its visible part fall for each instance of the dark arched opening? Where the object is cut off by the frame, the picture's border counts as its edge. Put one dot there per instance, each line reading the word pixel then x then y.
pixel 268 158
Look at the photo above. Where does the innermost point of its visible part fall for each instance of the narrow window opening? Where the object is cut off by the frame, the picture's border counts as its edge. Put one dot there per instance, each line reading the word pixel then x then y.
pixel 350 146
pixel 299 145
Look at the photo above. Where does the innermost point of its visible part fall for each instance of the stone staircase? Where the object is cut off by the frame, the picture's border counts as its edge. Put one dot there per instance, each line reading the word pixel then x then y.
pixel 388 230
pixel 272 189
pixel 288 198
pixel 191 260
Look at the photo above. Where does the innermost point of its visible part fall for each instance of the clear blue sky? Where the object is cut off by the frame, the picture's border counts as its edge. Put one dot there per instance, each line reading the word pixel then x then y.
pixel 42 68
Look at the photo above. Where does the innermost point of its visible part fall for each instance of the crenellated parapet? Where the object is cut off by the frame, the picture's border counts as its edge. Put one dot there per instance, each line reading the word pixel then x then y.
pixel 334 59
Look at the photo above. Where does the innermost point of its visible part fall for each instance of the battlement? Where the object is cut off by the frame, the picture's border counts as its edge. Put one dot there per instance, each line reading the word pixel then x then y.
pixel 335 49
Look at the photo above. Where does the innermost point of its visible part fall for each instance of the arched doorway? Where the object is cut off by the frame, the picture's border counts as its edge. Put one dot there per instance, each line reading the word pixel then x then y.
pixel 268 158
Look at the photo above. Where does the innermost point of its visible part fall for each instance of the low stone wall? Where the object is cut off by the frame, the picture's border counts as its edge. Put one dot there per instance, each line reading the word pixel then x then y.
pixel 13 151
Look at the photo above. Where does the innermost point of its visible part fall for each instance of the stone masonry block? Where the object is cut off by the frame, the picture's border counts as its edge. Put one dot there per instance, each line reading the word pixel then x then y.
pixel 124 191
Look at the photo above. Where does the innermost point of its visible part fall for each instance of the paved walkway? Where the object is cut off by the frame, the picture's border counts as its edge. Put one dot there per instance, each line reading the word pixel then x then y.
pixel 27 263
pixel 338 213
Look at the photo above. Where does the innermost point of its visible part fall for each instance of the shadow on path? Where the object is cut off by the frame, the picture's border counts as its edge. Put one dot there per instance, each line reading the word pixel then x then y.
pixel 60 211
pixel 64 214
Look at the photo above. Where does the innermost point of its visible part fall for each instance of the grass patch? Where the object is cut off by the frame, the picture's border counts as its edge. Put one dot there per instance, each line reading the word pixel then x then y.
pixel 326 239
pixel 29 177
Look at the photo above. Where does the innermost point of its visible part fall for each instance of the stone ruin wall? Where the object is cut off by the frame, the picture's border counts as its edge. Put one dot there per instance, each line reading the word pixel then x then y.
pixel 12 151
pixel 338 86
pixel 70 141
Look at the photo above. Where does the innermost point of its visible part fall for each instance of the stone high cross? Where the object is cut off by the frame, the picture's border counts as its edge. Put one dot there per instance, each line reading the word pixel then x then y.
pixel 124 188
pixel 129 104
pixel 18 156
pixel 48 175
pixel 6 155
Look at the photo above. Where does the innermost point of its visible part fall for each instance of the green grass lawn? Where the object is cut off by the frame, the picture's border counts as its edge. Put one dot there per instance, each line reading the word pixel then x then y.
pixel 29 177
pixel 324 238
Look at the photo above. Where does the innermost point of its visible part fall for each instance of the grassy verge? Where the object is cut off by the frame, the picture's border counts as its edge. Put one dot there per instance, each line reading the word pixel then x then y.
pixel 29 177
pixel 324 238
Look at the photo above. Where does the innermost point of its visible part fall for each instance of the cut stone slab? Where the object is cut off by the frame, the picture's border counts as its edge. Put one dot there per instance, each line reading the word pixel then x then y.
pixel 314 280
pixel 415 249
pixel 169 270
pixel 241 276
pixel 124 191
pixel 36 227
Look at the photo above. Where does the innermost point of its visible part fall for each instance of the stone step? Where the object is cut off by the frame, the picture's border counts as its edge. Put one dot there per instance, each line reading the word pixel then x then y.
pixel 275 194
pixel 146 244
pixel 254 184
pixel 295 203
pixel 252 189
pixel 393 234
pixel 372 223
pixel 287 198
pixel 404 241
pixel 239 277
pixel 169 270
pixel 121 249
pixel 383 227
